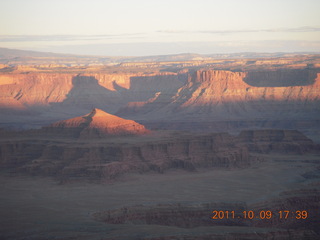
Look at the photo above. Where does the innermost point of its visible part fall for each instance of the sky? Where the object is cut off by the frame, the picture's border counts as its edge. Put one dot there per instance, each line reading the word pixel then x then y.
pixel 154 27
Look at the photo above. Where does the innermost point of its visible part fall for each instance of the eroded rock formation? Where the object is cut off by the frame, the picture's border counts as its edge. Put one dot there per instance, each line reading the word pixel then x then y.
pixel 81 154
pixel 273 140
pixel 286 96
pixel 44 153
pixel 96 124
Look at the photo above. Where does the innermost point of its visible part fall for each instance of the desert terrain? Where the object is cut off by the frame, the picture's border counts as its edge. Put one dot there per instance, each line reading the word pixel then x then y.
pixel 150 147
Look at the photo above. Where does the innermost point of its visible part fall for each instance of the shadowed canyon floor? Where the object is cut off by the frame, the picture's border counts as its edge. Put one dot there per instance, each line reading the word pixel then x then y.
pixel 39 208
pixel 159 186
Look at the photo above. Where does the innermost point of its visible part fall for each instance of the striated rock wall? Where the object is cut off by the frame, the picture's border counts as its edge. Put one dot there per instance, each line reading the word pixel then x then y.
pixel 103 160
pixel 201 96
pixel 34 89
pixel 109 158
pixel 204 87
pixel 273 140
pixel 211 87
pixel 66 91
pixel 215 95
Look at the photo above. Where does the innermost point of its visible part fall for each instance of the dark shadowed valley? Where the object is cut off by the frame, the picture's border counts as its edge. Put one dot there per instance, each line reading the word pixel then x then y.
pixel 167 147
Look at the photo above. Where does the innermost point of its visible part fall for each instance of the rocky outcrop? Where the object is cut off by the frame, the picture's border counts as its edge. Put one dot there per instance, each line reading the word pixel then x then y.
pixel 273 140
pixel 210 88
pixel 52 152
pixel 204 87
pixel 286 96
pixel 224 98
pixel 42 89
pixel 108 158
pixel 34 89
pixel 96 124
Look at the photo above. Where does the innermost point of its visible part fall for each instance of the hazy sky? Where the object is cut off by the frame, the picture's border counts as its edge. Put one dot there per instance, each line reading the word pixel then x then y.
pixel 148 27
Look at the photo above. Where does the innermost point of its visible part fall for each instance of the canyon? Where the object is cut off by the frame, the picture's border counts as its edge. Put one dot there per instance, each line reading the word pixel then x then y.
pixel 148 148
pixel 69 150
pixel 175 204
pixel 180 99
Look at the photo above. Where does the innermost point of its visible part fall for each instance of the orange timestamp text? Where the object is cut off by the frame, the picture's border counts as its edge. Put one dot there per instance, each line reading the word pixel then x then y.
pixel 263 214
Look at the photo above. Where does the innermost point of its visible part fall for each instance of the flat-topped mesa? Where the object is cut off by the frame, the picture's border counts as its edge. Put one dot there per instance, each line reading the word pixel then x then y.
pixel 228 77
pixel 98 124
pixel 211 87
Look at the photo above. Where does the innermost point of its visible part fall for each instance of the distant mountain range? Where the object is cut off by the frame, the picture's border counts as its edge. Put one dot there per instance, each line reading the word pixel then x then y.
pixel 16 57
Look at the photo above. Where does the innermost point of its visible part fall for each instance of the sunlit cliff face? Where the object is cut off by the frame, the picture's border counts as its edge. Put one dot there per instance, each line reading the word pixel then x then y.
pixel 164 91
pixel 42 89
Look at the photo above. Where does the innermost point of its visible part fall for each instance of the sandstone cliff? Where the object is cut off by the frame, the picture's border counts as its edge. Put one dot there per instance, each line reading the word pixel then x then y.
pixel 223 93
pixel 226 96
pixel 287 95
pixel 34 89
pixel 44 153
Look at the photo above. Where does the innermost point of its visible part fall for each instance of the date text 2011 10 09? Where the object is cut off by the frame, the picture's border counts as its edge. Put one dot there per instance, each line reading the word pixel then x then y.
pixel 263 214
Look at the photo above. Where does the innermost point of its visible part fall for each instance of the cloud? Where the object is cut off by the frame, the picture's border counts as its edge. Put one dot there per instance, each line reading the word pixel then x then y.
pixel 164 48
pixel 298 29
pixel 141 35
pixel 65 38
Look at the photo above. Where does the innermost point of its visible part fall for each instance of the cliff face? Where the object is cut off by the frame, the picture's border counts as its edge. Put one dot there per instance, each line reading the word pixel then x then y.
pixel 34 89
pixel 271 140
pixel 79 93
pixel 107 160
pixel 210 95
pixel 225 95
pixel 200 95
pixel 227 92
pixel 44 152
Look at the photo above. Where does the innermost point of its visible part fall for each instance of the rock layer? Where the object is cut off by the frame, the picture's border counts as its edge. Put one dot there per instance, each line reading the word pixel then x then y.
pixel 185 96
pixel 38 152
pixel 273 140
pixel 46 152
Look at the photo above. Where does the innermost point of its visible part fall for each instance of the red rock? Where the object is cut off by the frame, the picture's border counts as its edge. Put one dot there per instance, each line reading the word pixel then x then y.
pixel 99 123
